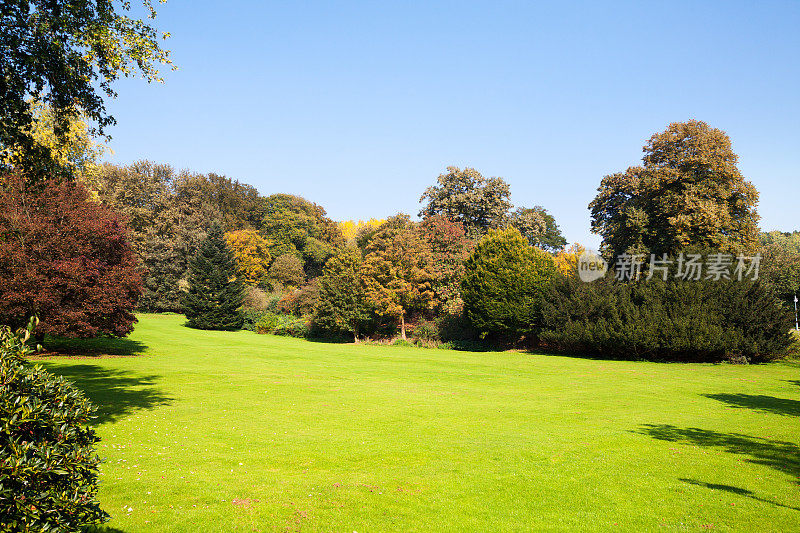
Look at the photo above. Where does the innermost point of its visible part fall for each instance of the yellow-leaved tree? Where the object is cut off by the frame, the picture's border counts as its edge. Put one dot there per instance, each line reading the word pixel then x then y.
pixel 251 251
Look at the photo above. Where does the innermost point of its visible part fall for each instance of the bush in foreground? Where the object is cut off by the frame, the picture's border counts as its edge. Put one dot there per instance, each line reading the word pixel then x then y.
pixel 48 465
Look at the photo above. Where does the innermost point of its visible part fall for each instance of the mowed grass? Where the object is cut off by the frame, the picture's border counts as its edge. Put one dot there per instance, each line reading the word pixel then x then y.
pixel 214 431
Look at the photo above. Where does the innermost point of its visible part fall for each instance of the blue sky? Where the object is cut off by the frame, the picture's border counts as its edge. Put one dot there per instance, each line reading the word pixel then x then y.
pixel 360 106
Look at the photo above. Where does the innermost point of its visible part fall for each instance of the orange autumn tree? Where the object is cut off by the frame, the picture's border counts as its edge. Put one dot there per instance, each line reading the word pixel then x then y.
pixel 251 251
pixel 396 271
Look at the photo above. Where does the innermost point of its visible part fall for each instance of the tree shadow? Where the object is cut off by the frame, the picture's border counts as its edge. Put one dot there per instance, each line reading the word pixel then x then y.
pixel 92 347
pixel 759 402
pixel 116 393
pixel 736 490
pixel 780 455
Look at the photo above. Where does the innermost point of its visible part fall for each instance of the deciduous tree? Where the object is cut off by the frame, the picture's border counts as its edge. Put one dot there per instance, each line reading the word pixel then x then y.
pixel 65 259
pixel 688 192
pixel 467 197
pixel 252 254
pixel 538 227
pixel 67 55
pixel 396 271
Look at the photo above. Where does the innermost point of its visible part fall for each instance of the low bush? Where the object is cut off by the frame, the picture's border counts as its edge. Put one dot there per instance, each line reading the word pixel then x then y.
pixel 292 326
pixel 425 331
pixel 678 320
pixel 48 464
pixel 266 323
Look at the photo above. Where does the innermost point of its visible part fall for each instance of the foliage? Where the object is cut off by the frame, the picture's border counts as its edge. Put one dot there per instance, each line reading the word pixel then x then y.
pixel 447 246
pixel 255 298
pixel 352 228
pixel 251 252
pixel 781 263
pixel 73 150
pixel 215 293
pixel 396 271
pixel 567 259
pixel 300 301
pixel 689 191
pixel 292 326
pixel 167 222
pixel 48 463
pixel 505 283
pixel 65 54
pixel 538 227
pixel 266 323
pixel 287 272
pixel 342 305
pixel 239 205
pixel 293 225
pixel 705 320
pixel 425 331
pixel 65 259
pixel 467 197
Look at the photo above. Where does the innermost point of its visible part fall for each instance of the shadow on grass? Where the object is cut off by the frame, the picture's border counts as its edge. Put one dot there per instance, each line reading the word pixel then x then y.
pixel 759 402
pixel 116 393
pixel 92 347
pixel 102 529
pixel 780 455
pixel 736 490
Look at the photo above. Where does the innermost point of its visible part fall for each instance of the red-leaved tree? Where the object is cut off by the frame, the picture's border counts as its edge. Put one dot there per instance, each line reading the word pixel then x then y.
pixel 65 259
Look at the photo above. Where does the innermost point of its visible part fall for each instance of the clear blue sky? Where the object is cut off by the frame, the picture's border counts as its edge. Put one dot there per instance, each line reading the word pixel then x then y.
pixel 360 106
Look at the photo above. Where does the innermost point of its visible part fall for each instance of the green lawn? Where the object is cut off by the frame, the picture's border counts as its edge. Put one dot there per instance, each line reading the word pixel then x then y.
pixel 212 431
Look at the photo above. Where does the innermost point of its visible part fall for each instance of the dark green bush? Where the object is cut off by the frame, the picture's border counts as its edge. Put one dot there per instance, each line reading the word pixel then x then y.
pixel 455 328
pixel 678 320
pixel 504 284
pixel 48 464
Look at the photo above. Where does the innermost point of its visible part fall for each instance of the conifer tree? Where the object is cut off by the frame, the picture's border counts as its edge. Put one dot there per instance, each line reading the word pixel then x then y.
pixel 215 292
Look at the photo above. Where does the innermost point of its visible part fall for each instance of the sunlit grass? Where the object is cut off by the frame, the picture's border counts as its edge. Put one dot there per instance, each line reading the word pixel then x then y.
pixel 213 431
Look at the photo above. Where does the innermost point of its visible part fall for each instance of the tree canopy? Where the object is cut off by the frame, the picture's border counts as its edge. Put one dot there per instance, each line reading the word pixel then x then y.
pixel 65 259
pixel 67 55
pixel 467 197
pixel 688 192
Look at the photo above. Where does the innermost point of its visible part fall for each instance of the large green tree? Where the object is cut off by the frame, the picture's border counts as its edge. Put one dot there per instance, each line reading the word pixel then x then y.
pixel 67 54
pixel 215 292
pixel 538 227
pixel 168 217
pixel 687 192
pixel 343 306
pixel 505 283
pixel 293 225
pixel 467 197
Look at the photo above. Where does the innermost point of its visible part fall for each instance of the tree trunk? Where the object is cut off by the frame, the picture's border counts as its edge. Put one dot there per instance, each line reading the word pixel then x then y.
pixel 402 326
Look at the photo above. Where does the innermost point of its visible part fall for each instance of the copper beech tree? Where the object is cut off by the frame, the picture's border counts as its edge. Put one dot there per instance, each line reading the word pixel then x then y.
pixel 65 259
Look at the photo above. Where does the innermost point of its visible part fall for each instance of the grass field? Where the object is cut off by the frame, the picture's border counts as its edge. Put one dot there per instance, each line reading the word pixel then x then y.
pixel 213 431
